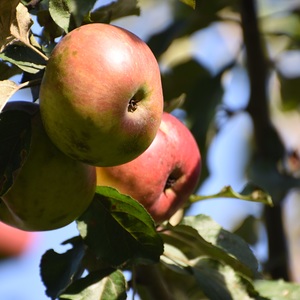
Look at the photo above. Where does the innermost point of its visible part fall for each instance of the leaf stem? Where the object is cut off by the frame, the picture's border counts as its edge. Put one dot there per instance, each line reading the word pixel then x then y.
pixel 37 51
pixel 29 83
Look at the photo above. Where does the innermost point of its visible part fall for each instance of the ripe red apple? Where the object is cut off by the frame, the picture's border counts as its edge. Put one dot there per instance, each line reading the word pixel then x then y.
pixel 13 241
pixel 101 95
pixel 50 190
pixel 164 176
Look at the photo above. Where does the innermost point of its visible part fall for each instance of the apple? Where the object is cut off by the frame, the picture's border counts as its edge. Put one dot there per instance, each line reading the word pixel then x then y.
pixel 164 176
pixel 101 95
pixel 50 190
pixel 13 241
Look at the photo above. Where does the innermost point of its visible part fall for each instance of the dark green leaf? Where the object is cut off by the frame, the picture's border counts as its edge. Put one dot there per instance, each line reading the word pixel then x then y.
pixel 248 230
pixel 23 57
pixel 50 29
pixel 58 271
pixel 118 229
pixel 7 71
pixel 114 10
pixel 15 136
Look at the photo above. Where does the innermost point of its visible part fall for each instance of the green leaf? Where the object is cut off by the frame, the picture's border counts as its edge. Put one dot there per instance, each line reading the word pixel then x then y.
pixel 230 243
pixel 278 289
pixel 114 10
pixel 118 229
pixel 219 282
pixel 15 137
pixel 200 236
pixel 69 14
pixel 250 193
pixel 113 286
pixel 58 271
pixel 191 3
pixel 23 57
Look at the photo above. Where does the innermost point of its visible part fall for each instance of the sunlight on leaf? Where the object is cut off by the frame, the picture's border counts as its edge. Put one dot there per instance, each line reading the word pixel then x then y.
pixel 219 281
pixel 17 27
pixel 253 194
pixel 7 16
pixel 278 289
pixel 8 88
pixel 198 236
pixel 191 3
pixel 111 287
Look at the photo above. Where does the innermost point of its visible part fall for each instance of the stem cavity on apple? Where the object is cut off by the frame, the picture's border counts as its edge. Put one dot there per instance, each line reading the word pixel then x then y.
pixel 135 99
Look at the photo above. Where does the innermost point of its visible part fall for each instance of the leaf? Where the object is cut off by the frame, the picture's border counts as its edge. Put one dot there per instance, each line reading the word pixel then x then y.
pixel 8 88
pixel 7 16
pixel 278 289
pixel 17 28
pixel 58 271
pixel 20 27
pixel 50 30
pixel 15 136
pixel 115 10
pixel 174 103
pixel 248 230
pixel 112 286
pixel 219 282
pixel 23 57
pixel 124 229
pixel 7 71
pixel 231 244
pixel 191 3
pixel 69 14
pixel 250 193
pixel 208 239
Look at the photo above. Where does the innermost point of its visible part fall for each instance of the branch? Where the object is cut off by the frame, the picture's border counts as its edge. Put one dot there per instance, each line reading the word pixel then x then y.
pixel 269 148
pixel 267 141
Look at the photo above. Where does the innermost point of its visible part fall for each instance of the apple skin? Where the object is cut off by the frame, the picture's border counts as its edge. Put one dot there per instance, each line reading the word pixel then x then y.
pixel 164 176
pixel 101 95
pixel 14 242
pixel 50 190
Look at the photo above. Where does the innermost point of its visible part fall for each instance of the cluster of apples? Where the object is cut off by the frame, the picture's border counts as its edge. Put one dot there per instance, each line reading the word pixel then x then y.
pixel 100 121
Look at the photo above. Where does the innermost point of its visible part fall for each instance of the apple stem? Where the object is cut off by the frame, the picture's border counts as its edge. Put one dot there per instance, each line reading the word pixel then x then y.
pixel 132 106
